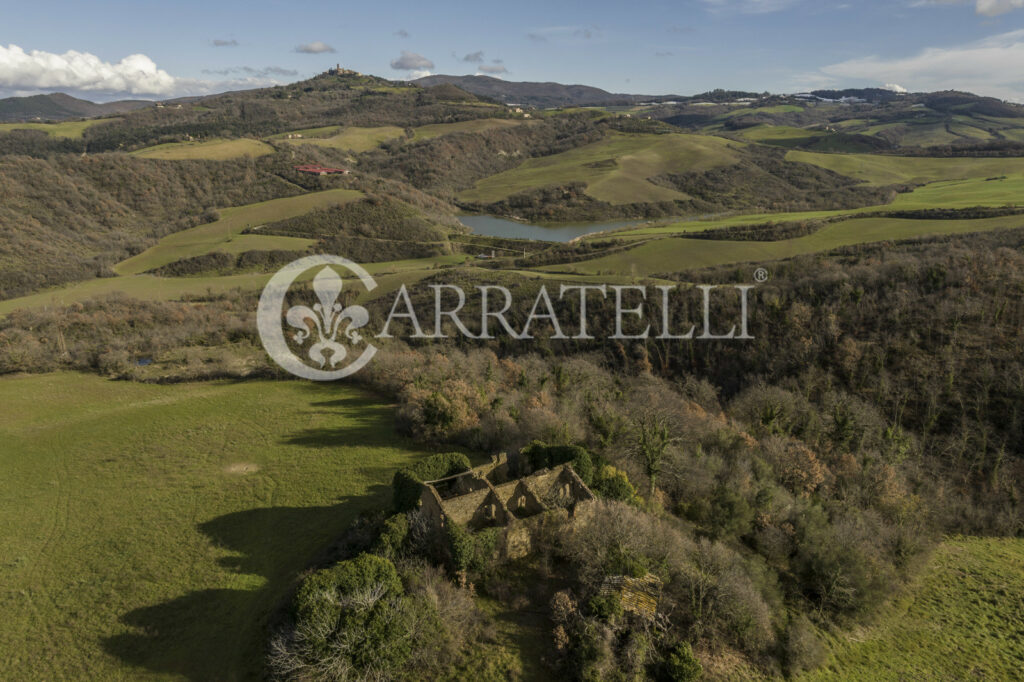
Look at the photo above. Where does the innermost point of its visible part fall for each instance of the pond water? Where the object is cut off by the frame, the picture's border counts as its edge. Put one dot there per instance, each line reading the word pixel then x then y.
pixel 489 226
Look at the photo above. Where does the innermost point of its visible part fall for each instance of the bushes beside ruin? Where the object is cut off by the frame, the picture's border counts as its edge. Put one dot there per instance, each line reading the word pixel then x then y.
pixel 542 456
pixel 366 618
pixel 407 482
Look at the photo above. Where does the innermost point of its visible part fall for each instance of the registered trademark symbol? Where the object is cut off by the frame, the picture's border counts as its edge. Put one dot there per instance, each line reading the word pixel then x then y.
pixel 760 275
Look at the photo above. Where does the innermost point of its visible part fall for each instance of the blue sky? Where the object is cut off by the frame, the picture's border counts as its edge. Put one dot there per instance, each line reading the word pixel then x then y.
pixel 146 49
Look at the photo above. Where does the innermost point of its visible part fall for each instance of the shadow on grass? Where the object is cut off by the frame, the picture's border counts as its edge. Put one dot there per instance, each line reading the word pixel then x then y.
pixel 221 634
pixel 528 633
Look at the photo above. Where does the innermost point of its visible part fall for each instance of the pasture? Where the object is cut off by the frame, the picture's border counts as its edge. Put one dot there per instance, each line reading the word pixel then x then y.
pixel 389 275
pixel 359 140
pixel 226 234
pixel 324 131
pixel 962 620
pixel 68 129
pixel 999 191
pixel 352 138
pixel 673 254
pixel 888 170
pixel 478 125
pixel 151 531
pixel 783 136
pixel 614 169
pixel 211 150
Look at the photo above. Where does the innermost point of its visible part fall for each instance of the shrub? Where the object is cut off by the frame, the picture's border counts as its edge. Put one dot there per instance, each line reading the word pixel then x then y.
pixel 681 665
pixel 624 561
pixel 392 537
pixel 354 621
pixel 614 484
pixel 318 597
pixel 804 650
pixel 471 551
pixel 607 607
pixel 407 482
pixel 542 456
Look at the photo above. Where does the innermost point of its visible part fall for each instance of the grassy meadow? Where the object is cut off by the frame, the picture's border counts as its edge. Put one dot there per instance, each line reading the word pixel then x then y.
pixel 226 234
pixel 478 125
pixel 390 276
pixel 358 140
pixel 67 129
pixel 614 169
pixel 351 138
pixel 963 620
pixel 998 191
pixel 673 254
pixel 150 531
pixel 211 150
pixel 323 131
pixel 783 136
pixel 878 169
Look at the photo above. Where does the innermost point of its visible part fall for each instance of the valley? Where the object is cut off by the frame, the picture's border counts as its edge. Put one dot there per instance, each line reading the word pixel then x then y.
pixel 838 497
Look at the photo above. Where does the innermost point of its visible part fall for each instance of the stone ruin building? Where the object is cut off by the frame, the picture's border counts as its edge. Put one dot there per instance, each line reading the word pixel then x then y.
pixel 490 496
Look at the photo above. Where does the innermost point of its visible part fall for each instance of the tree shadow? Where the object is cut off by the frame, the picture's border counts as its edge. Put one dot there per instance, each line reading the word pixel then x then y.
pixel 221 634
pixel 529 633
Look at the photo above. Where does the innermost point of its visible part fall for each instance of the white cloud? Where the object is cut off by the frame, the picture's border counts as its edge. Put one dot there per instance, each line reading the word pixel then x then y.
pixel 86 75
pixel 419 73
pixel 988 8
pixel 993 66
pixel 410 61
pixel 315 47
pixel 136 74
pixel 895 87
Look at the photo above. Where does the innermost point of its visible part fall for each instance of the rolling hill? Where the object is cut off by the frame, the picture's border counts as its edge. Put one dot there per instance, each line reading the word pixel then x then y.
pixel 530 93
pixel 61 107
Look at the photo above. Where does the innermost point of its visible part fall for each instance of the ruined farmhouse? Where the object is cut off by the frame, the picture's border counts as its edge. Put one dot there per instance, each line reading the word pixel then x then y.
pixel 490 496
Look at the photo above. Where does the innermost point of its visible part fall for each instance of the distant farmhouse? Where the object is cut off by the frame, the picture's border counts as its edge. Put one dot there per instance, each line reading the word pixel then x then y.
pixel 317 169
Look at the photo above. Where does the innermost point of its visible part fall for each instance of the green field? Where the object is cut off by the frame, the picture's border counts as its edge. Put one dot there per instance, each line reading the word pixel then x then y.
pixel 68 129
pixel 353 138
pixel 389 276
pixel 614 169
pixel 928 128
pixel 150 531
pixel 1001 191
pixel 784 136
pixel 963 620
pixel 877 169
pixel 212 150
pixel 225 234
pixel 674 254
pixel 325 131
pixel 359 140
pixel 475 126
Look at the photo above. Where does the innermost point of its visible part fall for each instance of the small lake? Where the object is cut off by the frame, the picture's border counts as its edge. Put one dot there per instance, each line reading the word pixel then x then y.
pixel 489 226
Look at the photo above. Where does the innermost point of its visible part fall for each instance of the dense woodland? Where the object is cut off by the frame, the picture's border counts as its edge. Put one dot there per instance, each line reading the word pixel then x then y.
pixel 778 487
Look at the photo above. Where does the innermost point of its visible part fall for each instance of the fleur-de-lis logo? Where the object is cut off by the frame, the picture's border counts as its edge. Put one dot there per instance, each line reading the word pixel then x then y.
pixel 327 326
pixel 325 319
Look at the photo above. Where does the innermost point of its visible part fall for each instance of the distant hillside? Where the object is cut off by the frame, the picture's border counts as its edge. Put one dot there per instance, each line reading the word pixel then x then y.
pixel 533 94
pixel 61 107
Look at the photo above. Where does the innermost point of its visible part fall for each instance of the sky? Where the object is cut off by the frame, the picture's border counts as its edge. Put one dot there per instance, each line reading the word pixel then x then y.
pixel 148 50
